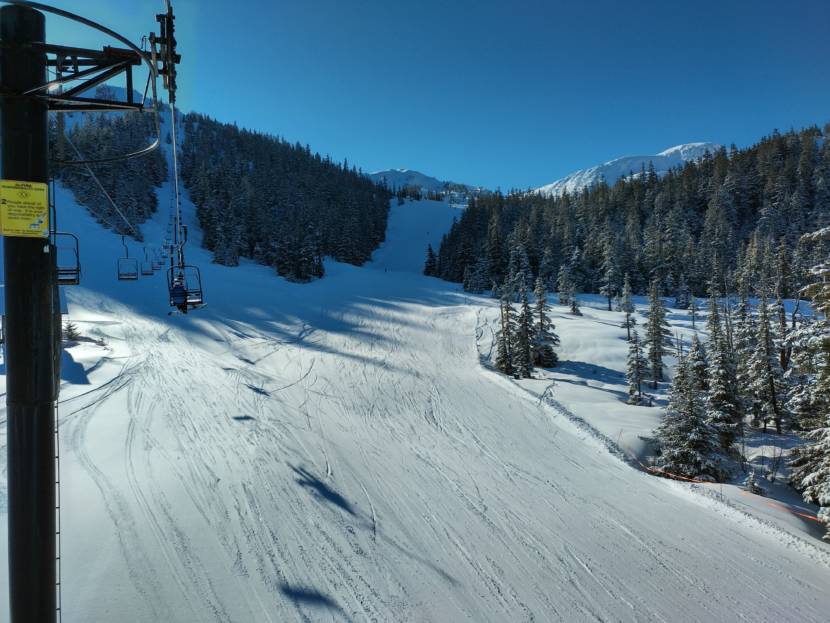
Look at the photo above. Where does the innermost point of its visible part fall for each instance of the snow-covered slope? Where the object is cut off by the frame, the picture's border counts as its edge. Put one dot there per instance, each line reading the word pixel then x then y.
pixel 336 452
pixel 613 170
pixel 416 225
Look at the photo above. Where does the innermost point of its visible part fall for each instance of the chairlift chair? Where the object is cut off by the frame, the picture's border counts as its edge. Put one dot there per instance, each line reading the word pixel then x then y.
pixel 157 259
pixel 127 266
pixel 147 264
pixel 67 258
pixel 184 284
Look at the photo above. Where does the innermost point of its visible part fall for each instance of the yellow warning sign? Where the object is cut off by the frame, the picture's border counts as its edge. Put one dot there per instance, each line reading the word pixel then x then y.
pixel 24 209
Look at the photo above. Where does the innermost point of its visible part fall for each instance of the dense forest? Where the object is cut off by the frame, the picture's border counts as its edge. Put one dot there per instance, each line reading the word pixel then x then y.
pixel 733 219
pixel 279 204
pixel 130 183
pixel 256 196
pixel 736 225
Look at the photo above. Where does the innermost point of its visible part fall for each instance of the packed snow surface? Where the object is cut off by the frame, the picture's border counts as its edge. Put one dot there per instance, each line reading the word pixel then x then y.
pixel 613 170
pixel 336 451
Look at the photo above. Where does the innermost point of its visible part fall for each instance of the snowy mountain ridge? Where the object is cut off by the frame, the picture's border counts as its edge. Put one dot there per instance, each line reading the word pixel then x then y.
pixel 612 170
pixel 400 178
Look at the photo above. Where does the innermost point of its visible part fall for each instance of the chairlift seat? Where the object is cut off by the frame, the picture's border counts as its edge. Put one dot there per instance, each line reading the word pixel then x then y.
pixel 127 269
pixel 67 258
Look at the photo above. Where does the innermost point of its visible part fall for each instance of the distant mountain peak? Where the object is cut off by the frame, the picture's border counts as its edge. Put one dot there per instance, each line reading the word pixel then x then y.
pixel 400 178
pixel 612 170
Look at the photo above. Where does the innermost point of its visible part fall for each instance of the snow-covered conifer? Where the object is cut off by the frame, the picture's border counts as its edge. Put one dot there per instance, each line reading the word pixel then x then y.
pixel 722 403
pixel 683 294
pixel 627 307
pixel 698 365
pixel 574 302
pixel 657 334
pixel 544 336
pixel 688 445
pixel 811 475
pixel 766 383
pixel 563 285
pixel 504 338
pixel 610 272
pixel 637 366
pixel 430 265
pixel 521 350
pixel 518 270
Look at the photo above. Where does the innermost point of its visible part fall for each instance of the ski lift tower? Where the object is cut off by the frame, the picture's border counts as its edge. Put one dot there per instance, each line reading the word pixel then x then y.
pixel 32 323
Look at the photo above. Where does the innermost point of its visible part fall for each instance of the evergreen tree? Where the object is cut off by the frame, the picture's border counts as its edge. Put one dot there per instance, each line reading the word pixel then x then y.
pixel 627 307
pixel 70 331
pixel 657 334
pixel 693 312
pixel 722 403
pixel 698 366
pixel 683 294
pixel 811 475
pixel 430 266
pixel 564 285
pixel 544 337
pixel 494 247
pixel 477 277
pixel 744 347
pixel 547 268
pixel 805 404
pixel 713 321
pixel 518 270
pixel 610 273
pixel 522 353
pixel 637 366
pixel 766 376
pixel 688 445
pixel 574 302
pixel 504 338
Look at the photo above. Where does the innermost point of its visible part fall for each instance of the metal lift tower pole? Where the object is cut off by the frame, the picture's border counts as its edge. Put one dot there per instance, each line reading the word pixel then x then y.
pixel 30 330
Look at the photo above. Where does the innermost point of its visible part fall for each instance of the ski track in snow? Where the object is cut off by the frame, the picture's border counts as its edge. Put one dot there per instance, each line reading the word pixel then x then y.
pixel 336 452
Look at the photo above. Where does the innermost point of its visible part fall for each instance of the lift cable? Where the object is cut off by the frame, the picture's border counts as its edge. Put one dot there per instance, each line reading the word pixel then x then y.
pixel 178 239
pixel 101 186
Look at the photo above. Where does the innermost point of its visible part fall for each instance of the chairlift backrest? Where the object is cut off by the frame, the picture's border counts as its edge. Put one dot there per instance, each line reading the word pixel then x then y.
pixel 127 269
pixel 67 258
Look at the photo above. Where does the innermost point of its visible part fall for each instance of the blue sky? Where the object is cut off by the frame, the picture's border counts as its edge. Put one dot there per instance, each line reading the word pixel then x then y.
pixel 509 94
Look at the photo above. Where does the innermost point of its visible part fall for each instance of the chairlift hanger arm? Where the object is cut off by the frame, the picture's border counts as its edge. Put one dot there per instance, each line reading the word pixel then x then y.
pixel 86 104
pixel 90 67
